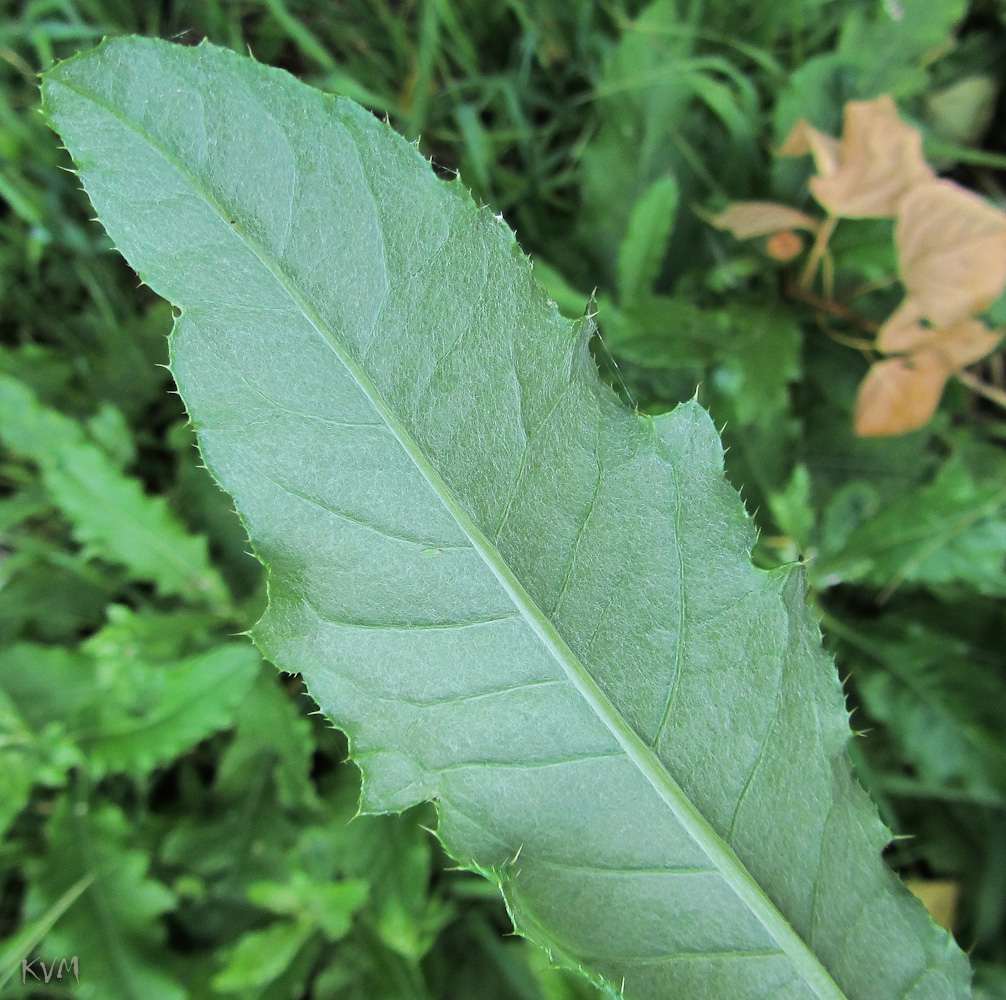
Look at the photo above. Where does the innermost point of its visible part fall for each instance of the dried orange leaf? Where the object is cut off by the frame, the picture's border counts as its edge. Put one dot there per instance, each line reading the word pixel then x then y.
pixel 967 342
pixel 961 344
pixel 903 332
pixel 899 395
pixel 804 138
pixel 879 161
pixel 784 245
pixel 952 251
pixel 746 219
pixel 939 897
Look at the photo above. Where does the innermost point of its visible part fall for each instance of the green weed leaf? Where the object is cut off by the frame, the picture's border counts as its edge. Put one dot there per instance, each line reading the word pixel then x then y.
pixel 949 532
pixel 936 695
pixel 135 697
pixel 114 926
pixel 110 513
pixel 518 597
pixel 645 244
pixel 179 705
pixel 270 733
pixel 19 948
pixel 17 766
pixel 262 956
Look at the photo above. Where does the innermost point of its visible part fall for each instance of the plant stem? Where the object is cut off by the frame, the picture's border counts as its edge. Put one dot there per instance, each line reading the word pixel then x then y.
pixel 975 384
pixel 801 294
pixel 817 251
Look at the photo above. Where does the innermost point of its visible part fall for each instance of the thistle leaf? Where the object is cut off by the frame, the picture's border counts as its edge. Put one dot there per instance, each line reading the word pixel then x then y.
pixel 516 596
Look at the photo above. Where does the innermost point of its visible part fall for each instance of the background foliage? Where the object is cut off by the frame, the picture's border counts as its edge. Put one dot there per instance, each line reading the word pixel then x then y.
pixel 172 812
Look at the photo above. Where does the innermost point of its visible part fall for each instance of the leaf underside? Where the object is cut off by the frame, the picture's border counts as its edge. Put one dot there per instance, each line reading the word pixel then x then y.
pixel 516 596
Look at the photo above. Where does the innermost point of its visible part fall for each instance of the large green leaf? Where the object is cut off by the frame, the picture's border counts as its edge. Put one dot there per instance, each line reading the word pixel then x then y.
pixel 517 597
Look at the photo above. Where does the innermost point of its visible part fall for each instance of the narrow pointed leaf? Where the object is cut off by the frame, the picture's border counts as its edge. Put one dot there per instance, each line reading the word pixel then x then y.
pixel 645 244
pixel 517 597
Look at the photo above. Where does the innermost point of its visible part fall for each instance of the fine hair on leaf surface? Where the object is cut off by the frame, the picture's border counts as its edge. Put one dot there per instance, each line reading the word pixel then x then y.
pixel 516 596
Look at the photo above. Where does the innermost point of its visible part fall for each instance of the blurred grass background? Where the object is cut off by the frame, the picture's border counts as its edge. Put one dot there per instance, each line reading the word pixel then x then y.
pixel 172 812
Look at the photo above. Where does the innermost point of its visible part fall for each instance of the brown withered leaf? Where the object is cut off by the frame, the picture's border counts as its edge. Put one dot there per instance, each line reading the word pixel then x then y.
pixel 952 251
pixel 784 245
pixel 961 344
pixel 939 896
pixel 879 162
pixel 899 395
pixel 804 138
pixel 746 219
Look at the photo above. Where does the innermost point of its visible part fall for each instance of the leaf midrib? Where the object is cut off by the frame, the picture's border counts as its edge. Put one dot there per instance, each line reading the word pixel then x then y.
pixel 722 856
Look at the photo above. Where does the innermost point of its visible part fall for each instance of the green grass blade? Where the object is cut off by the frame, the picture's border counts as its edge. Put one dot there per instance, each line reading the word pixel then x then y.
pixel 23 943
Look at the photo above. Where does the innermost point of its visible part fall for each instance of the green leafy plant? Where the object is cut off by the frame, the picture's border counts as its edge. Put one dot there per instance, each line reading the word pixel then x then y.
pixel 516 596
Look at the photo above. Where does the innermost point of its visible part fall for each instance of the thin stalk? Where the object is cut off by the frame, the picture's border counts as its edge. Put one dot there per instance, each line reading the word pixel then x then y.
pixel 975 384
pixel 817 251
